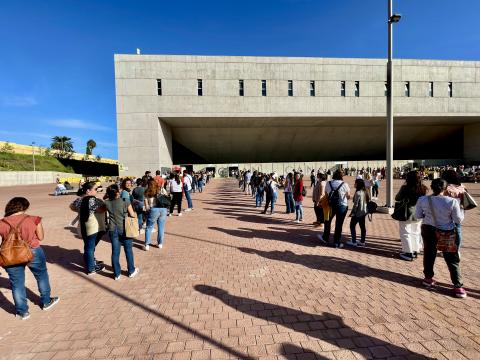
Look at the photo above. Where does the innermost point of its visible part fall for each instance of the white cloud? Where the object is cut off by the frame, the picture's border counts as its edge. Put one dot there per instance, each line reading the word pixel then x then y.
pixel 78 124
pixel 21 133
pixel 18 101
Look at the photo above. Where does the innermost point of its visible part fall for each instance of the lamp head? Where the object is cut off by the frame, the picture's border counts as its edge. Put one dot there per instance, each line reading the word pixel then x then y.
pixel 395 18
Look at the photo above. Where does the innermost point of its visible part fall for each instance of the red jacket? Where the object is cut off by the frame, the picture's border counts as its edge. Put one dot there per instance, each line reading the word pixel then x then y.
pixel 297 190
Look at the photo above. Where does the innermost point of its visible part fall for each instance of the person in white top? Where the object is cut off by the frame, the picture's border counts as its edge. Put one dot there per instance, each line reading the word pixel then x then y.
pixel 176 189
pixel 187 187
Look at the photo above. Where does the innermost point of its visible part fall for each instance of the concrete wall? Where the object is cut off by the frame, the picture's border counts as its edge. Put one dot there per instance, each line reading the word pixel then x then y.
pixel 11 178
pixel 198 122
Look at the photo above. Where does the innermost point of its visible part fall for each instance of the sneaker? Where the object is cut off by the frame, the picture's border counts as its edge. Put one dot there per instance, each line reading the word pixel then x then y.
pixel 406 256
pixel 339 246
pixel 169 215
pixel 351 243
pixel 301 220
pixel 160 246
pixel 142 231
pixel 135 273
pixel 146 247
pixel 97 269
pixel 116 278
pixel 98 262
pixel 320 238
pixel 53 301
pixel 24 316
pixel 415 254
pixel 361 243
pixel 180 214
pixel 428 282
pixel 297 221
pixel 460 293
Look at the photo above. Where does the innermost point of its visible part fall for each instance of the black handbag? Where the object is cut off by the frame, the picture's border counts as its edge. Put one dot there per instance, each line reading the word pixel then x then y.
pixel 400 213
pixel 163 201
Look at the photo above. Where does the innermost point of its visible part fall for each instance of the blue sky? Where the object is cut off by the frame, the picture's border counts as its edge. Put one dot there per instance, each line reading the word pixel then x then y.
pixel 56 57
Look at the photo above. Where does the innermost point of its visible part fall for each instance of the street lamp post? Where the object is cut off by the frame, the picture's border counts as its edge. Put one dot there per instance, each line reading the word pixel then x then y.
pixel 392 18
pixel 33 154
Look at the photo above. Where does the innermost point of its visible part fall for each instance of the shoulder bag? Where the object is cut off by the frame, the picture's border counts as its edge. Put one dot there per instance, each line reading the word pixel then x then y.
pixel 446 239
pixel 468 202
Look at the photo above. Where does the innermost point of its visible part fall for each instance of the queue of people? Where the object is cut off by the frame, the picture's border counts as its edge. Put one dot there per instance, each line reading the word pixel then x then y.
pixel 421 216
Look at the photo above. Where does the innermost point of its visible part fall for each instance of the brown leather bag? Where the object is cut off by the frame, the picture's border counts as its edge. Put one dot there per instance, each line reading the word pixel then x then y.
pixel 14 250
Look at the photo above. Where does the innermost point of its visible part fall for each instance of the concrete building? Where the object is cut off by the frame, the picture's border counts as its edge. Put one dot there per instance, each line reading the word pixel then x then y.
pixel 215 109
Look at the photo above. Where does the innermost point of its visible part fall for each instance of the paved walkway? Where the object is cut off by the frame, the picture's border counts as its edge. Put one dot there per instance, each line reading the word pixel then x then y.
pixel 231 283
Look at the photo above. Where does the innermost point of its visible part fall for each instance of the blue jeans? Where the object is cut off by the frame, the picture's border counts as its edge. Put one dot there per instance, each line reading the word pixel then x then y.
pixel 38 267
pixel 89 244
pixel 139 211
pixel 118 240
pixel 289 202
pixel 258 198
pixel 188 197
pixel 159 216
pixel 299 212
pixel 341 213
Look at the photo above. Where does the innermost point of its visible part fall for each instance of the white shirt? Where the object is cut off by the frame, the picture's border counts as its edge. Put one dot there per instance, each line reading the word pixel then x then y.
pixel 174 187
pixel 187 182
pixel 342 191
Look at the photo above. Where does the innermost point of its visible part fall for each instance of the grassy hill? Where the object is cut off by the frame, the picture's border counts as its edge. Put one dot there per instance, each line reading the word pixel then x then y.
pixel 21 162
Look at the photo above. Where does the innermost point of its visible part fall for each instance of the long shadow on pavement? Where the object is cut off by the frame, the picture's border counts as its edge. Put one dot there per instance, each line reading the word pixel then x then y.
pixel 327 327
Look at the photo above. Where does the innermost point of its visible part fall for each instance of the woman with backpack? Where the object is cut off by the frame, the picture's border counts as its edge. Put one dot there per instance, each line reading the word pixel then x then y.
pixel 271 191
pixel 440 212
pixel 410 226
pixel 288 191
pixel 260 190
pixel 358 214
pixel 156 214
pixel 17 225
pixel 176 189
pixel 118 209
pixel 298 197
pixel 338 193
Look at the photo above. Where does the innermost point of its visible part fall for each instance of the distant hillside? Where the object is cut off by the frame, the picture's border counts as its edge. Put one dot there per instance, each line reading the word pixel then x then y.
pixel 21 162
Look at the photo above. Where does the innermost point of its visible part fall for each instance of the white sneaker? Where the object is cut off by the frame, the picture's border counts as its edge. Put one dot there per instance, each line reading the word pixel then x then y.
pixel 146 247
pixel 135 273
pixel 160 246
pixel 117 278
pixel 180 214
pixel 297 221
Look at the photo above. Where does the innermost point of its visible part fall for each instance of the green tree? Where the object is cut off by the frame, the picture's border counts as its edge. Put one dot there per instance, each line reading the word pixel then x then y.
pixel 91 144
pixel 7 148
pixel 63 146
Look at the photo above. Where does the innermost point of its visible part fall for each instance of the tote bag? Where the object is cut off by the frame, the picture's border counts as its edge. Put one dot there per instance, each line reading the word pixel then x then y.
pixel 131 227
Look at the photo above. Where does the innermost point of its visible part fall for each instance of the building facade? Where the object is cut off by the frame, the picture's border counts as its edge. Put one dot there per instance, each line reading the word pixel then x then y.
pixel 215 109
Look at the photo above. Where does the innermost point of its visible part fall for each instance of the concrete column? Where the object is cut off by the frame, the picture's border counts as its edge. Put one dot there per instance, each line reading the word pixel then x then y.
pixel 471 142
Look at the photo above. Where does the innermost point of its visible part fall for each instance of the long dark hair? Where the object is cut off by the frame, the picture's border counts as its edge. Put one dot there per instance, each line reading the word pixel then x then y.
pixel 89 185
pixel 177 178
pixel 337 175
pixel 16 205
pixel 414 183
pixel 451 177
pixel 112 192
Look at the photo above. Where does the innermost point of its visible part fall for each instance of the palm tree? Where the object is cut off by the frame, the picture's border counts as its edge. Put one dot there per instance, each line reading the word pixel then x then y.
pixel 63 145
pixel 91 144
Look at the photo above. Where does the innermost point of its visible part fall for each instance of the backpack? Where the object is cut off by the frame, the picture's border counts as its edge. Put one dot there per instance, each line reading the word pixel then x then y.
pixel 334 199
pixel 14 250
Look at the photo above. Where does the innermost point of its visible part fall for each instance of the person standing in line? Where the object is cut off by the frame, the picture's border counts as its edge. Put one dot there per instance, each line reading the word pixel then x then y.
pixel 298 197
pixel 271 192
pixel 439 212
pixel 455 190
pixel 187 187
pixel 260 190
pixel 338 202
pixel 317 195
pixel 246 185
pixel 118 209
pixel 155 214
pixel 358 214
pixel 201 182
pixel 31 230
pixel 288 191
pixel 377 178
pixel 410 229
pixel 177 194
pixel 368 183
pixel 127 187
pixel 92 224
pixel 138 198
pixel 158 178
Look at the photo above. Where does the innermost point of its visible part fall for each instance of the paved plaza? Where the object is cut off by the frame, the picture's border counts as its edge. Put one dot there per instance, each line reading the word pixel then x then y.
pixel 232 283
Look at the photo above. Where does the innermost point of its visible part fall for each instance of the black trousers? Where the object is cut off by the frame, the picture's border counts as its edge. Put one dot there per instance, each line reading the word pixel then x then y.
pixel 319 214
pixel 430 255
pixel 176 200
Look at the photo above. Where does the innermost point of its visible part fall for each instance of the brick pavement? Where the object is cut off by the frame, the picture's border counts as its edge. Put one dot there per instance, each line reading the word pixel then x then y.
pixel 231 283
